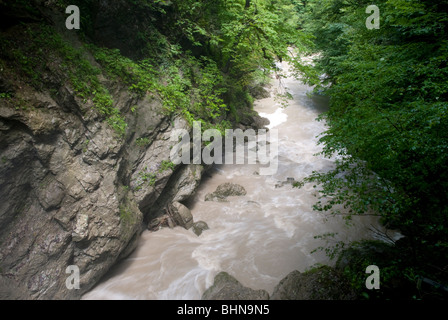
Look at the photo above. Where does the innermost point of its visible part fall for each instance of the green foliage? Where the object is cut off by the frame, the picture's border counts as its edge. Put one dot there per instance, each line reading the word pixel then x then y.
pixel 146 177
pixel 140 76
pixel 5 95
pixel 332 248
pixel 199 57
pixel 41 46
pixel 166 165
pixel 388 116
pixel 224 45
pixel 187 86
pixel 194 88
pixel 398 279
pixel 142 142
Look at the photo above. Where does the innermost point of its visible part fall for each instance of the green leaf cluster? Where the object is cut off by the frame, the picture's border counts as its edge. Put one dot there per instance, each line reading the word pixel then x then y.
pixel 42 46
pixel 202 58
pixel 388 116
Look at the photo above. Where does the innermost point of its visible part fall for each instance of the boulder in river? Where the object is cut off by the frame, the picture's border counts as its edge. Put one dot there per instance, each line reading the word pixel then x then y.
pixel 224 191
pixel 227 287
pixel 181 215
pixel 176 215
pixel 199 227
pixel 323 283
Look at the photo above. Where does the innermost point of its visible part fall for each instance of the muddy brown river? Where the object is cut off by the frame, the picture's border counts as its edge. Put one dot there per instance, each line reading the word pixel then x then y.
pixel 258 238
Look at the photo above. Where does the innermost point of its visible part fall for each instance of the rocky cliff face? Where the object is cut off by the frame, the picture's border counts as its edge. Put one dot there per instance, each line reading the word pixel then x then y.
pixel 72 191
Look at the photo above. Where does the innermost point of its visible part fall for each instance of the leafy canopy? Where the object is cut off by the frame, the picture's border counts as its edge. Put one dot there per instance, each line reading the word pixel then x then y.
pixel 388 115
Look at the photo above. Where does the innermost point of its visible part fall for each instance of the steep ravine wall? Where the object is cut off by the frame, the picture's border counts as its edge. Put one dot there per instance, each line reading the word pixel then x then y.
pixel 68 190
pixel 73 192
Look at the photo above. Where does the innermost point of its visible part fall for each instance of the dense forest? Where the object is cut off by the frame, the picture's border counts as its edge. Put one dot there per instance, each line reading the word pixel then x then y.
pixel 387 122
pixel 206 61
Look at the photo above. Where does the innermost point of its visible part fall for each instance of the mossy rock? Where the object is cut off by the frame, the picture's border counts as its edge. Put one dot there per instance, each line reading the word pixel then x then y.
pixel 323 283
pixel 227 287
pixel 199 227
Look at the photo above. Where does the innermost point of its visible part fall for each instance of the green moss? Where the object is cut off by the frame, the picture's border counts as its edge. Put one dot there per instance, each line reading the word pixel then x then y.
pixel 149 178
pixel 142 142
pixel 126 214
pixel 86 145
pixel 146 177
pixel 128 219
pixel 166 165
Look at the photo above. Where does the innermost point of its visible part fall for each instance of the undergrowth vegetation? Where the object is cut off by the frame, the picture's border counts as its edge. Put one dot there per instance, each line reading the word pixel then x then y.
pixel 40 49
pixel 387 125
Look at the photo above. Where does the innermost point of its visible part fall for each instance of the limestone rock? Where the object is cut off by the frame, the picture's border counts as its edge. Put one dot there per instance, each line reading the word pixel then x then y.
pixel 227 287
pixel 81 230
pixel 67 184
pixel 187 182
pixel 181 215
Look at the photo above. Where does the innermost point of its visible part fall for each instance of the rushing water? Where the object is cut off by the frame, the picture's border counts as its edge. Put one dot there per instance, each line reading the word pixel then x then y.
pixel 259 238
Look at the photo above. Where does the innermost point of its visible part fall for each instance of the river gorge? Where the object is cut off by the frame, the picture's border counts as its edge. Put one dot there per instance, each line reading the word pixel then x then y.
pixel 258 238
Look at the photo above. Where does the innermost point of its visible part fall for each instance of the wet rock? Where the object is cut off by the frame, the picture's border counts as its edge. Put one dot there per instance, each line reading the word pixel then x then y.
pixel 251 119
pixel 182 184
pixel 324 283
pixel 199 227
pixel 230 189
pixel 224 191
pixel 187 182
pixel 260 122
pixel 226 287
pixel 177 215
pixel 163 221
pixel 181 215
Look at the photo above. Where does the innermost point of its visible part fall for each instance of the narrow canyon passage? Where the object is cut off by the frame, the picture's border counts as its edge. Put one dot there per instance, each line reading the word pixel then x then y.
pixel 258 238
